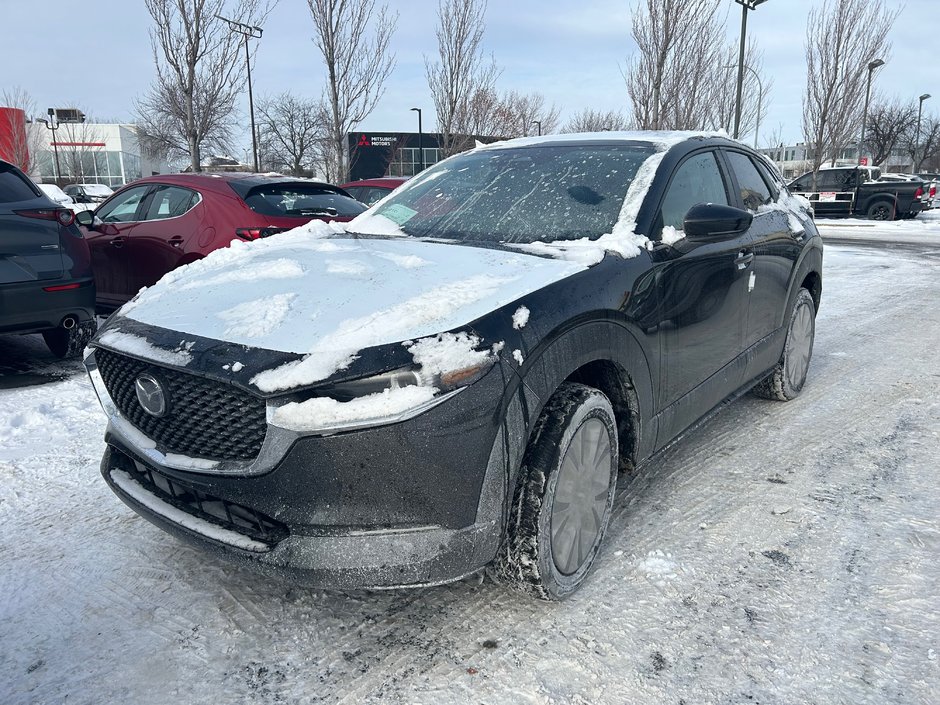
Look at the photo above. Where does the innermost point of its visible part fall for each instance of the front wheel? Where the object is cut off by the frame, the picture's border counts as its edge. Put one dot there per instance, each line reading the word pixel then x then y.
pixel 563 502
pixel 789 375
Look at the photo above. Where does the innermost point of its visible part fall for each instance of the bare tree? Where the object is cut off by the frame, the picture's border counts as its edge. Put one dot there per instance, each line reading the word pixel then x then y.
pixel 679 44
pixel 483 113
pixel 290 130
pixel 719 107
pixel 357 64
pixel 589 120
pixel 888 122
pixel 842 38
pixel 923 148
pixel 461 81
pixel 25 143
pixel 199 70
pixel 524 110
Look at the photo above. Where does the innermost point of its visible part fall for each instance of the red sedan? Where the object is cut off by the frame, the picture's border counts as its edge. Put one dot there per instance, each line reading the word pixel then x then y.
pixel 159 223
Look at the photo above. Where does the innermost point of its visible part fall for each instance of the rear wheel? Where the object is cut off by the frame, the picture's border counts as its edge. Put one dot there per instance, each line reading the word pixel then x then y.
pixel 69 342
pixel 881 210
pixel 788 377
pixel 562 504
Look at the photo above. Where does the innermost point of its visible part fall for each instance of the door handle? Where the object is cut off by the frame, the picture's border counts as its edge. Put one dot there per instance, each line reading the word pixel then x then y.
pixel 176 241
pixel 744 259
pixel 118 241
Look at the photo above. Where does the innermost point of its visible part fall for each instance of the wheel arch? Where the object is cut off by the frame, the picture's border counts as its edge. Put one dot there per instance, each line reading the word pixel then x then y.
pixel 607 355
pixel 617 385
pixel 807 274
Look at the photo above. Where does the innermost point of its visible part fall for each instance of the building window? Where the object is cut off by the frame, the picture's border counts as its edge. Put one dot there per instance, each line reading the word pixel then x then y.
pixel 408 163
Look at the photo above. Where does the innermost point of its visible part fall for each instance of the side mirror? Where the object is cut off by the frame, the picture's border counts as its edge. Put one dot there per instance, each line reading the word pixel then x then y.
pixel 711 221
pixel 86 218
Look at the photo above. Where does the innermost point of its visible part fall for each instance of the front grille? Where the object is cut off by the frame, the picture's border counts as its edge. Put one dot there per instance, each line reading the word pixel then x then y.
pixel 204 419
pixel 221 512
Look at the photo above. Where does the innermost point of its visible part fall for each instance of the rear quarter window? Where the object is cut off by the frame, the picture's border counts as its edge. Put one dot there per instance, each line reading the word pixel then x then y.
pixel 15 187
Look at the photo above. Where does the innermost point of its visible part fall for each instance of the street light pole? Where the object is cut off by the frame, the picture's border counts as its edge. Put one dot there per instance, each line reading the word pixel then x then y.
pixel 745 6
pixel 920 110
pixel 871 68
pixel 249 32
pixel 538 124
pixel 53 125
pixel 760 99
pixel 420 139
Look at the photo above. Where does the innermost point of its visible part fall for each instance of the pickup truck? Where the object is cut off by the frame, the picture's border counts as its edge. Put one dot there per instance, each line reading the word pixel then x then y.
pixel 855 190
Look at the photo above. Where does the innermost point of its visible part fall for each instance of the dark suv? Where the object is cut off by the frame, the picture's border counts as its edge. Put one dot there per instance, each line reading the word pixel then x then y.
pixel 456 380
pixel 46 284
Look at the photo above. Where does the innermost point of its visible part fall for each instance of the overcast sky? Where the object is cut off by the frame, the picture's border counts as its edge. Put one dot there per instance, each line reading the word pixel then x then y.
pixel 95 54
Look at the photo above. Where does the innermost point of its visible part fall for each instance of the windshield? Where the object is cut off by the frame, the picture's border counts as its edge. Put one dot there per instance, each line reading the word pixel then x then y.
pixel 97 190
pixel 520 195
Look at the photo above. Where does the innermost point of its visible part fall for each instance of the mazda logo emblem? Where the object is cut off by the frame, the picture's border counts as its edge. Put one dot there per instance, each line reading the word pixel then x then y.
pixel 151 395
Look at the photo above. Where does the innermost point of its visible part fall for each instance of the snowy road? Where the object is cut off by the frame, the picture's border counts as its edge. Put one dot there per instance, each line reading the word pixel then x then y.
pixel 783 553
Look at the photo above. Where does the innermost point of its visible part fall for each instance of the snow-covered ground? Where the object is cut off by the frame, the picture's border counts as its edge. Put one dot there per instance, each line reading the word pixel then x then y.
pixel 922 231
pixel 782 553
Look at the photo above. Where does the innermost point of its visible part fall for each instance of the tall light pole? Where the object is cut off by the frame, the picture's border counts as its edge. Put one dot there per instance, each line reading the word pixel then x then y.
pixel 760 100
pixel 871 68
pixel 248 32
pixel 53 125
pixel 745 6
pixel 538 124
pixel 420 139
pixel 920 111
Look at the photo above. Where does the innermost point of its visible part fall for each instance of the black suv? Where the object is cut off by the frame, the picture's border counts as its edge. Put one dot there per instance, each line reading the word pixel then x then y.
pixel 46 284
pixel 456 380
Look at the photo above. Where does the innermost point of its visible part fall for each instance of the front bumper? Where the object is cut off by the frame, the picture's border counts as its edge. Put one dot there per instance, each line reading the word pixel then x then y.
pixel 408 556
pixel 414 503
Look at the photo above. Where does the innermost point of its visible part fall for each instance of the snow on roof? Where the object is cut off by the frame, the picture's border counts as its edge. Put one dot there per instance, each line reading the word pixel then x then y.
pixel 662 139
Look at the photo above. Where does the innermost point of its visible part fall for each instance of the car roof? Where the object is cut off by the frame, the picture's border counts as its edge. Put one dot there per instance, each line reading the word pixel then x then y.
pixel 660 139
pixel 213 181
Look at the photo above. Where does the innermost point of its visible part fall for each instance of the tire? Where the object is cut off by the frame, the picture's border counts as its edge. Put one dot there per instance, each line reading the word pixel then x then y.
pixel 789 375
pixel 881 210
pixel 539 556
pixel 70 342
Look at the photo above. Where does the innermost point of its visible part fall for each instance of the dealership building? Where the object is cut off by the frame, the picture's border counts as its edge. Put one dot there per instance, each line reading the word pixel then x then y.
pixel 83 152
pixel 373 155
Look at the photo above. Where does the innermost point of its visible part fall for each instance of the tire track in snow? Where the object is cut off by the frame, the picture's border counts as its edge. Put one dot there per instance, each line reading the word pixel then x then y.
pixel 756 606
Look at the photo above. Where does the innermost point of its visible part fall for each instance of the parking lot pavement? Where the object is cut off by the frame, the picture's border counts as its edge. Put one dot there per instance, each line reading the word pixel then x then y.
pixel 780 553
pixel 25 361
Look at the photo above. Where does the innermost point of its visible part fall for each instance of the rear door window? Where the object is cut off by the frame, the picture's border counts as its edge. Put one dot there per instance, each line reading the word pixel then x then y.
pixel 170 202
pixel 300 200
pixel 14 187
pixel 751 185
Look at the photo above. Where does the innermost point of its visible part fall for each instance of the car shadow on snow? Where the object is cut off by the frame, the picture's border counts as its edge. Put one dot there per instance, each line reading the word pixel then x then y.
pixel 25 361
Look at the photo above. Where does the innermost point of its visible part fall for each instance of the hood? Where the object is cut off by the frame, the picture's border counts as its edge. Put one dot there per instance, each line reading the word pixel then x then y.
pixel 327 299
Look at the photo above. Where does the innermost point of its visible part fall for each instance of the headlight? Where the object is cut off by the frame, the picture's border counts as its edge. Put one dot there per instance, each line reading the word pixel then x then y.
pixel 387 398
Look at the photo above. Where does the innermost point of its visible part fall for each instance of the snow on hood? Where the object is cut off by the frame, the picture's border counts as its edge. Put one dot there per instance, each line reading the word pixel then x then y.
pixel 330 298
